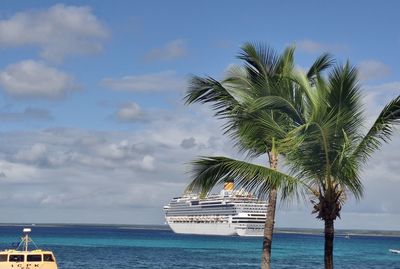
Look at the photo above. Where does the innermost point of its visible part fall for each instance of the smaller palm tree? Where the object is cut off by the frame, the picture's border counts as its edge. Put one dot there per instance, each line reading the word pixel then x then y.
pixel 330 149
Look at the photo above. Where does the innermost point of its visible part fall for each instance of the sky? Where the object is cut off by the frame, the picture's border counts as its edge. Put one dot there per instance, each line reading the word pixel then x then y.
pixel 94 128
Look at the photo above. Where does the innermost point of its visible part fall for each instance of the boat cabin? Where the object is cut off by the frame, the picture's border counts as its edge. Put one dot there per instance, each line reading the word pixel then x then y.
pixel 23 258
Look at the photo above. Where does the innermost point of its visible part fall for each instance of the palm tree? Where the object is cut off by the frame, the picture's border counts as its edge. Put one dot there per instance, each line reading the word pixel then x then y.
pixel 322 135
pixel 330 149
pixel 260 104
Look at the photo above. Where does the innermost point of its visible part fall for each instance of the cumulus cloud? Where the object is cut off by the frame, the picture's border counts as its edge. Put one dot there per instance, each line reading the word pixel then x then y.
pixel 162 81
pixel 171 51
pixel 57 31
pixel 130 112
pixel 17 172
pixel 147 163
pixel 35 154
pixel 35 79
pixel 27 114
pixel 372 69
pixel 73 173
pixel 115 171
pixel 311 46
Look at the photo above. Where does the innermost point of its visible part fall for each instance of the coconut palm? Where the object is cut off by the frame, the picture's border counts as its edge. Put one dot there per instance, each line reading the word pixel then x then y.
pixel 330 149
pixel 260 103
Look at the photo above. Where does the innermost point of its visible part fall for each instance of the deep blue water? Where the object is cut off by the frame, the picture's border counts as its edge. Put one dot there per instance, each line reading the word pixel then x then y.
pixel 87 247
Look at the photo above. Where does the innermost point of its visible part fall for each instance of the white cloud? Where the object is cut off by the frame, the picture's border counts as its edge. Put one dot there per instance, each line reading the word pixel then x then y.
pixel 17 172
pixel 113 151
pixel 35 79
pixel 58 31
pixel 171 51
pixel 372 69
pixel 36 153
pixel 130 112
pixel 311 46
pixel 86 169
pixel 148 163
pixel 163 81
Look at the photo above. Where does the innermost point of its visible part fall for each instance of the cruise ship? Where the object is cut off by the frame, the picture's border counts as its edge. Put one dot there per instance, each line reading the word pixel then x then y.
pixel 228 213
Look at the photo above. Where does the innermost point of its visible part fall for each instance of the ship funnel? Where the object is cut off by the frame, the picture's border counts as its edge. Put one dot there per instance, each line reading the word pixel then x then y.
pixel 228 185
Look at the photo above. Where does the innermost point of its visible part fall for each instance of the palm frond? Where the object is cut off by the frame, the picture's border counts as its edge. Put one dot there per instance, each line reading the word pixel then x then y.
pixel 208 172
pixel 380 132
pixel 344 99
pixel 285 64
pixel 253 136
pixel 259 59
pixel 208 90
pixel 322 63
pixel 278 103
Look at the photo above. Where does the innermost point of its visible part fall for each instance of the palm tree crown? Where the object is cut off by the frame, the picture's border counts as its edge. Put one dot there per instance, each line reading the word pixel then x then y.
pixel 328 151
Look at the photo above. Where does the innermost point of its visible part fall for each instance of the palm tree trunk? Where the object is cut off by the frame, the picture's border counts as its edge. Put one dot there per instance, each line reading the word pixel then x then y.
pixel 270 220
pixel 268 230
pixel 329 236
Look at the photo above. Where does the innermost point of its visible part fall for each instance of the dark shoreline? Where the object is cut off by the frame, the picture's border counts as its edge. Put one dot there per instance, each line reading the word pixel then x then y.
pixel 305 231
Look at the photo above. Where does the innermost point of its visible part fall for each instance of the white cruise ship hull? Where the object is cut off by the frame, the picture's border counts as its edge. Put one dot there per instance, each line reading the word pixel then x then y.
pixel 203 228
pixel 250 231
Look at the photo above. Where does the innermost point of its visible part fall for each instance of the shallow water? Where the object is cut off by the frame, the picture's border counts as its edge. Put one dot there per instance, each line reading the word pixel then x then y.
pixel 92 247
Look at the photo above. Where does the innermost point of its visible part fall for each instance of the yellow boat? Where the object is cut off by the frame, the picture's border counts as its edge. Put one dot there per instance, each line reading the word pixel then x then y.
pixel 23 258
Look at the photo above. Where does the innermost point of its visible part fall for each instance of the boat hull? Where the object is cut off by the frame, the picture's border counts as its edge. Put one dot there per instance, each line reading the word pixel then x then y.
pixel 203 228
pixel 27 265
pixel 250 231
pixel 224 229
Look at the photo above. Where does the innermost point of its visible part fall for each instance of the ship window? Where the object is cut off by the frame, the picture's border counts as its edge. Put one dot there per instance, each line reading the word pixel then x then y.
pixel 3 257
pixel 48 258
pixel 34 258
pixel 16 258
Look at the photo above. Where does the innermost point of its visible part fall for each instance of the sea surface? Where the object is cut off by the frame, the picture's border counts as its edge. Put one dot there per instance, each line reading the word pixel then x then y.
pixel 112 247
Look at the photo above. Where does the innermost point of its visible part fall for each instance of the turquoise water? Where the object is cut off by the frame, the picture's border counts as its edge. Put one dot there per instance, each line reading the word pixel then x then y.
pixel 93 247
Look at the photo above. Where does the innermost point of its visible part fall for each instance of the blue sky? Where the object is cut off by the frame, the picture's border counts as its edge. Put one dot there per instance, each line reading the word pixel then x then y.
pixel 93 124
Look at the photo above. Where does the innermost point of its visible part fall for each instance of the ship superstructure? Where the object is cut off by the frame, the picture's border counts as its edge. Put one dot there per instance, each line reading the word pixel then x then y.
pixel 228 213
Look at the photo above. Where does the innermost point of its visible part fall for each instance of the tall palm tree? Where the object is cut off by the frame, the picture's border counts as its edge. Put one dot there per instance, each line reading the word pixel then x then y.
pixel 260 104
pixel 330 149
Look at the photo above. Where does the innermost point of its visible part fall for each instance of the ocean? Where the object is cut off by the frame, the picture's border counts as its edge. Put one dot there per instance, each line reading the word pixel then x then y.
pixel 114 247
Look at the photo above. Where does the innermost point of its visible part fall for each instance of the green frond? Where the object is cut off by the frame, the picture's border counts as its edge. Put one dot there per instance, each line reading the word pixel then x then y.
pixel 280 104
pixel 310 96
pixel 208 172
pixel 380 132
pixel 208 90
pixel 258 58
pixel 322 63
pixel 344 99
pixel 285 64
pixel 347 175
pixel 253 136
